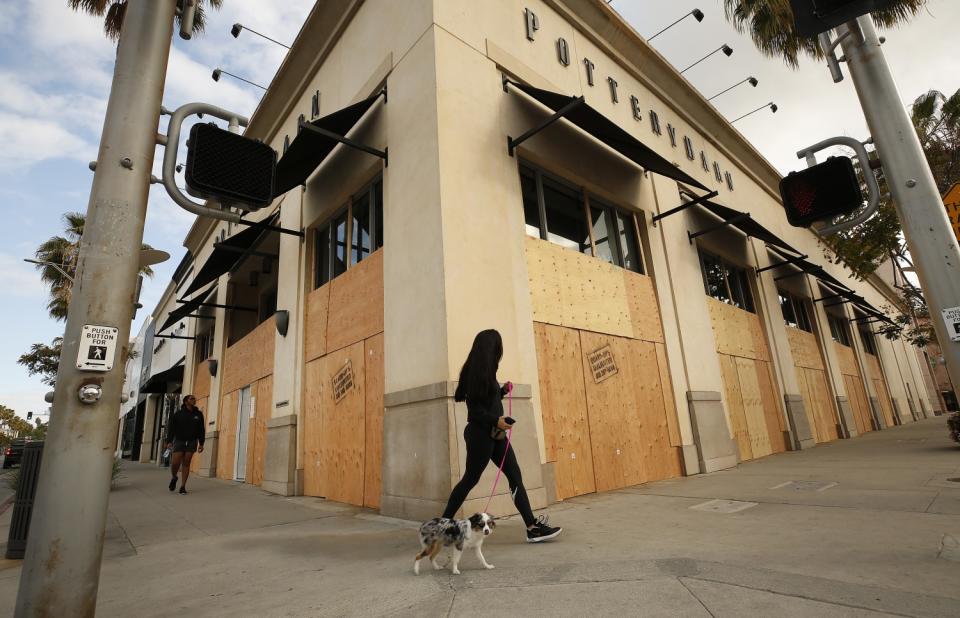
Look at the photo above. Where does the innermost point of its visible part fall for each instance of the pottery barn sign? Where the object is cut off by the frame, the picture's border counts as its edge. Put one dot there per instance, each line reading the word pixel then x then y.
pixel 342 382
pixel 532 26
pixel 602 365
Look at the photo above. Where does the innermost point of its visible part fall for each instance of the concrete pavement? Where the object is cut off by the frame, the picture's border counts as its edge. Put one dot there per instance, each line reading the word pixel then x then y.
pixel 861 527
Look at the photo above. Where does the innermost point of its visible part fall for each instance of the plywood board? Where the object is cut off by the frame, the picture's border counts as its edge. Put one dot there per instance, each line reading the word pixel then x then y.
pixel 753 411
pixel 373 386
pixel 886 405
pixel 250 358
pixel 846 360
pixel 824 405
pixel 737 332
pixel 315 323
pixel 644 309
pixel 734 402
pixel 670 404
pixel 314 476
pixel 201 381
pixel 227 431
pixel 355 310
pixel 804 348
pixel 660 459
pixel 773 412
pixel 344 427
pixel 858 402
pixel 578 291
pixel 262 391
pixel 563 406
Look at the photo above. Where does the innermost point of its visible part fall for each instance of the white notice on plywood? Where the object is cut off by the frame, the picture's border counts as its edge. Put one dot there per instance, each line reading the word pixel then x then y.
pixel 951 317
pixel 98 346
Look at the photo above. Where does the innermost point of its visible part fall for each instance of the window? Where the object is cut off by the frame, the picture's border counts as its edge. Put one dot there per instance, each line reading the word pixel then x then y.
pixel 726 282
pixel 203 346
pixel 267 305
pixel 869 343
pixel 361 221
pixel 838 330
pixel 567 216
pixel 794 311
pixel 655 123
pixel 688 147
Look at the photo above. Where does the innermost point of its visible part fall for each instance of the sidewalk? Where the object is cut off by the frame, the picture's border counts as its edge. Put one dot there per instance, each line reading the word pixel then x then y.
pixel 861 527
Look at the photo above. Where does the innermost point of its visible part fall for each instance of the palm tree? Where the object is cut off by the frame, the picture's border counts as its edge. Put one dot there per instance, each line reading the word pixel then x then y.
pixel 113 11
pixel 936 118
pixel 64 252
pixel 770 25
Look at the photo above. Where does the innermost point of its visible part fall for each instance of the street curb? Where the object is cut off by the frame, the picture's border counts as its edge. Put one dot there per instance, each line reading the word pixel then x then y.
pixel 6 503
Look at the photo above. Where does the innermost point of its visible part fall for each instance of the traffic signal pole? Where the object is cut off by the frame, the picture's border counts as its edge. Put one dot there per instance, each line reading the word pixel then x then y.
pixel 930 239
pixel 61 570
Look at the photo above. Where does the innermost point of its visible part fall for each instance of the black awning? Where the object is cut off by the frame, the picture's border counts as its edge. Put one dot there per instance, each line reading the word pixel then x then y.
pixel 747 225
pixel 164 382
pixel 181 312
pixel 603 129
pixel 812 269
pixel 222 260
pixel 309 148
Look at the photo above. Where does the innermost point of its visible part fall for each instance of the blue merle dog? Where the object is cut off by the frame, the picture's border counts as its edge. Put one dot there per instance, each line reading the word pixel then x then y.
pixel 462 534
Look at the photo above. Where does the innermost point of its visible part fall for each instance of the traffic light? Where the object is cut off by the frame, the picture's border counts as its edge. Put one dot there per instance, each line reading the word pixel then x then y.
pixel 811 17
pixel 229 167
pixel 821 192
pixel 29 415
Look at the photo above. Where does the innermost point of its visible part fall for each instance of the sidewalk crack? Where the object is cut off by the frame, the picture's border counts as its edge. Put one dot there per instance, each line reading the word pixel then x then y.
pixel 694 594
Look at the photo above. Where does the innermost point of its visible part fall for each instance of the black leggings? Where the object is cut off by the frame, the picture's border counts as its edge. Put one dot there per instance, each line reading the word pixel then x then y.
pixel 481 448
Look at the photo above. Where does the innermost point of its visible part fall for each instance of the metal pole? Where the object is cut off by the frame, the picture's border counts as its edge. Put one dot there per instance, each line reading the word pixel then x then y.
pixel 61 570
pixel 926 228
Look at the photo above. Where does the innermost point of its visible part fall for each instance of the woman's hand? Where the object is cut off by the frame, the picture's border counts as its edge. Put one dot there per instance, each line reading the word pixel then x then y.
pixel 503 424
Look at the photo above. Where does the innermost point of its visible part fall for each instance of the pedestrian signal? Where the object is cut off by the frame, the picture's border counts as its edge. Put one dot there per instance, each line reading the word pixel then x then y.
pixel 822 192
pixel 811 17
pixel 229 167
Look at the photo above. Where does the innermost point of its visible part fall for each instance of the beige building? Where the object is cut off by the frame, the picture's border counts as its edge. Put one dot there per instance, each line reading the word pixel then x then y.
pixel 648 341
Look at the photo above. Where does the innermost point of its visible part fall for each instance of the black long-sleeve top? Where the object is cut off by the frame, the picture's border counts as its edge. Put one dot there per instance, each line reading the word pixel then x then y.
pixel 486 411
pixel 186 425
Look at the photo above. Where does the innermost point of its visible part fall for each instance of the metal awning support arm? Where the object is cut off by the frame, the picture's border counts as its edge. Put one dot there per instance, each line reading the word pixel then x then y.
pixel 174 337
pixel 839 302
pixel 271 228
pixel 828 297
pixel 560 113
pixel 681 207
pixel 786 261
pixel 790 275
pixel 346 141
pixel 719 226
pixel 219 306
pixel 230 249
pixel 201 317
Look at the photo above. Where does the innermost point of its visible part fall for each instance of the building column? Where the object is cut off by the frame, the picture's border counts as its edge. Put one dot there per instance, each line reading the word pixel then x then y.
pixel 146 436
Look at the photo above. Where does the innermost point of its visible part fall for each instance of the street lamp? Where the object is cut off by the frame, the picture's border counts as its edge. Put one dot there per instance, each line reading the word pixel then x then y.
pixel 771 105
pixel 53 265
pixel 218 72
pixel 752 81
pixel 238 28
pixel 696 13
pixel 726 49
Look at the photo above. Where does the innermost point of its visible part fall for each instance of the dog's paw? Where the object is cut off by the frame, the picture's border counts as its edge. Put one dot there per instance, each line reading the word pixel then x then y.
pixel 456 571
pixel 489 566
pixel 416 569
pixel 437 567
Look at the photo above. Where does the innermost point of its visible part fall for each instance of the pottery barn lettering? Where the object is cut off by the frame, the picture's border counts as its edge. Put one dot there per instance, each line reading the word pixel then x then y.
pixel 342 382
pixel 602 365
pixel 532 25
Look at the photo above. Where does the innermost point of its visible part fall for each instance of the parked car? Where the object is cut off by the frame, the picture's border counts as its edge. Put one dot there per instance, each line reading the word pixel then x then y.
pixel 13 453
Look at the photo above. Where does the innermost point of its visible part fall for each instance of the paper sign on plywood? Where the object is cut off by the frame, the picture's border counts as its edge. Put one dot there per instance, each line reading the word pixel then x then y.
pixel 98 346
pixel 342 382
pixel 951 317
pixel 951 201
pixel 602 365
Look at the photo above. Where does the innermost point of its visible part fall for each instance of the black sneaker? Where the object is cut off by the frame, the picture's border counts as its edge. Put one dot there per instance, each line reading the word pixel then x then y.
pixel 173 484
pixel 183 491
pixel 542 532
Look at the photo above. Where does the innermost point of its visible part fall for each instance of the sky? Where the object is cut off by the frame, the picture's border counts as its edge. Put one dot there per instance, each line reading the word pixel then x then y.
pixel 56 67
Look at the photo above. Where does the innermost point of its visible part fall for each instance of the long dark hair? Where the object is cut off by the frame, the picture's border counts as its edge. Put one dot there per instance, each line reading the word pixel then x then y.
pixel 478 376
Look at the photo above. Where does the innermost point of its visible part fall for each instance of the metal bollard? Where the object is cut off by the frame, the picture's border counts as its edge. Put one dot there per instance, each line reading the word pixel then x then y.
pixel 23 502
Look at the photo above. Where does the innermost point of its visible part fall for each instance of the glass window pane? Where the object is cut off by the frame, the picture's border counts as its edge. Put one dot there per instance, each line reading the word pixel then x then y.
pixel 566 220
pixel 360 244
pixel 322 263
pixel 803 318
pixel 340 245
pixel 531 207
pixel 786 306
pixel 602 240
pixel 713 278
pixel 629 247
pixel 746 296
pixel 378 214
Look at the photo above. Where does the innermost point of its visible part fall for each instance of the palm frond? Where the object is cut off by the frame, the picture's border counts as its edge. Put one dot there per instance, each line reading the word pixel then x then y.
pixel 93 7
pixel 113 22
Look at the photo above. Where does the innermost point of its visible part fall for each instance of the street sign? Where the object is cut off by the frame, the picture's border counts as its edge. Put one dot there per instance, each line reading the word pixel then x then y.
pixel 98 346
pixel 951 317
pixel 951 201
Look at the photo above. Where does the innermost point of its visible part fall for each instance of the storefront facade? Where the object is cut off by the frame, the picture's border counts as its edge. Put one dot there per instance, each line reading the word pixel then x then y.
pixel 647 341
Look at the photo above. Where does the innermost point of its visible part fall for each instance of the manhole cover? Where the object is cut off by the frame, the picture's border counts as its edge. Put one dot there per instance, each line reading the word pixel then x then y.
pixel 805 485
pixel 723 506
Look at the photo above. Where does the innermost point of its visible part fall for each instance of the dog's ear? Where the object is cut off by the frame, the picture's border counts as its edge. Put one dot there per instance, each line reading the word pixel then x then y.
pixel 476 521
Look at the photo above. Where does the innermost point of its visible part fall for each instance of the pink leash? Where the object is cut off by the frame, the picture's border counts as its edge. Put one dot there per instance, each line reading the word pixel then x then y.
pixel 507 450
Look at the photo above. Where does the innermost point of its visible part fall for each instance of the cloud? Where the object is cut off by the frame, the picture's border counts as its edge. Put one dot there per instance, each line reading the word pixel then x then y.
pixel 28 140
pixel 17 278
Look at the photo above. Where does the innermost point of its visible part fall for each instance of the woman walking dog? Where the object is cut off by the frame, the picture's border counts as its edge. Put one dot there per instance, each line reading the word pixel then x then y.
pixel 486 432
